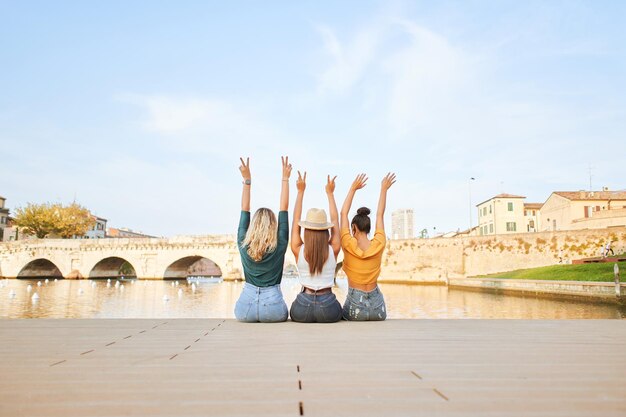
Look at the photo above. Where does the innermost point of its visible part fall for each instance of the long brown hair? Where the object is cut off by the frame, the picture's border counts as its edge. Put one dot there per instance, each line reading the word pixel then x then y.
pixel 316 249
pixel 261 237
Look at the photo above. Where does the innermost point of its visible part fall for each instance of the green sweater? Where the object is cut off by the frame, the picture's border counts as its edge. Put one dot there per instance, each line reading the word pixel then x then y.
pixel 269 270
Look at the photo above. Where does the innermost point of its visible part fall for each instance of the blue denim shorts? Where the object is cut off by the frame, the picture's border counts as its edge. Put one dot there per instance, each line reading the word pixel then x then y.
pixel 261 304
pixel 364 306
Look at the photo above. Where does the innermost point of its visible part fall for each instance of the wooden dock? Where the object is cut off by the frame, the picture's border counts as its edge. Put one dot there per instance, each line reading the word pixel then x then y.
pixel 599 259
pixel 214 367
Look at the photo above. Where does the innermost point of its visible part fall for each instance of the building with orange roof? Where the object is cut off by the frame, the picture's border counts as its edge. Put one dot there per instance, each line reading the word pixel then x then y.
pixel 575 210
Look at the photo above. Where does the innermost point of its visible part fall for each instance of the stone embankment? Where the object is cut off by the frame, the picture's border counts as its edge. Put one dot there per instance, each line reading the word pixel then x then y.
pixel 451 261
pixel 438 260
pixel 596 291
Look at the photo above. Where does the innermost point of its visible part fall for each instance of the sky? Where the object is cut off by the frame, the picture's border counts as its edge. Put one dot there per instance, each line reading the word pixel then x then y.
pixel 140 110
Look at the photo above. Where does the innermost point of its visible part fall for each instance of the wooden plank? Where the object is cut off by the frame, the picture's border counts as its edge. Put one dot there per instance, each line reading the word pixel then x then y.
pixel 69 367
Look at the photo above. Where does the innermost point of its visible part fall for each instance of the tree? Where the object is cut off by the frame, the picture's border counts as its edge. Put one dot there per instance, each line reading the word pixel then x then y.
pixel 36 219
pixel 44 220
pixel 74 220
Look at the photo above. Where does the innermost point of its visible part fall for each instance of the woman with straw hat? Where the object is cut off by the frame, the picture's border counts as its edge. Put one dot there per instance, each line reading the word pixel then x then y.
pixel 362 257
pixel 262 245
pixel 316 258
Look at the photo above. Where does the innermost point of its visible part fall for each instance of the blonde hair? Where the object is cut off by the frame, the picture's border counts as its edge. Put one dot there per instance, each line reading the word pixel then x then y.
pixel 262 235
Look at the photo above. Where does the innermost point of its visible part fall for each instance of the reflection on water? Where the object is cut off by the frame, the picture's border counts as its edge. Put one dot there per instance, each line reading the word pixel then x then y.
pixel 152 299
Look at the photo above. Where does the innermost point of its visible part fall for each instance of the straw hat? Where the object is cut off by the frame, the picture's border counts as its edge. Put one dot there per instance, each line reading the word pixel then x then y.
pixel 316 220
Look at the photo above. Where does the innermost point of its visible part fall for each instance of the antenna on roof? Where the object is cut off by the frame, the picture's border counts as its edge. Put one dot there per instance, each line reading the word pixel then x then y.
pixel 591 168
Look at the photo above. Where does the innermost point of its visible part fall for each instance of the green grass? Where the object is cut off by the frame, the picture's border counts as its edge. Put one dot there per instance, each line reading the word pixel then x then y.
pixel 601 272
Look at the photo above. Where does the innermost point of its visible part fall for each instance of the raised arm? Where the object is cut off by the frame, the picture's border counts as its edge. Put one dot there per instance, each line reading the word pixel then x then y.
pixel 296 238
pixel 335 236
pixel 387 182
pixel 245 194
pixel 284 190
pixel 357 184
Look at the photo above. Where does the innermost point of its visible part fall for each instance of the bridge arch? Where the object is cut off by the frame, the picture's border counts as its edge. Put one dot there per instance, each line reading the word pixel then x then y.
pixel 40 268
pixel 192 266
pixel 112 267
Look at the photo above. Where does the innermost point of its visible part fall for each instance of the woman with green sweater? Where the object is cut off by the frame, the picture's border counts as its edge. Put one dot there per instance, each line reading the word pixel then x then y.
pixel 262 245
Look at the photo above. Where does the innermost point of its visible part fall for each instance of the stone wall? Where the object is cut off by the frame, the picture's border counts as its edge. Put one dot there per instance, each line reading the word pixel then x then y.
pixel 602 291
pixel 602 219
pixel 436 259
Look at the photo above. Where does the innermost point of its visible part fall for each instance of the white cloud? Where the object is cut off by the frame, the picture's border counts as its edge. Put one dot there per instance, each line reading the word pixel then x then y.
pixel 167 115
pixel 349 61
pixel 425 77
pixel 207 125
pixel 190 115
pixel 408 76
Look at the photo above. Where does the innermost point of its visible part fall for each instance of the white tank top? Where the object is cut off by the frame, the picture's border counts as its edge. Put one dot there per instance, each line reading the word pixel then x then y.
pixel 324 280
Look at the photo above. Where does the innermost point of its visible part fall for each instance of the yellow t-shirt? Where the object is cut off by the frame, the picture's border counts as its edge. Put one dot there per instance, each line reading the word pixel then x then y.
pixel 362 267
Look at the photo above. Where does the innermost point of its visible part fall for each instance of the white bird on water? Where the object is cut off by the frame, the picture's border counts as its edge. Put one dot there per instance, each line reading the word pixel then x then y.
pixel 193 287
pixel 35 297
pixel 39 283
pixel 177 283
pixel 172 283
pixel 166 298
pixel 47 280
pixel 93 284
pixel 29 288
pixel 122 287
pixel 117 284
pixel 55 280
pixel 108 285
pixel 109 280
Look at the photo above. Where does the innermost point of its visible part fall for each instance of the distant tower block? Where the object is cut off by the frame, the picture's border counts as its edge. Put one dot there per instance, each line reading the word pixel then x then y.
pixel 402 224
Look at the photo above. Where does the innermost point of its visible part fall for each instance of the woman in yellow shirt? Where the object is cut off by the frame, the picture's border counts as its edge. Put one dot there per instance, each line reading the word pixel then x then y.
pixel 362 257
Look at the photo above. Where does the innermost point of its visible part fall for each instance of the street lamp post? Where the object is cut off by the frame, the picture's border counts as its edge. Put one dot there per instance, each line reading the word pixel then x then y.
pixel 469 182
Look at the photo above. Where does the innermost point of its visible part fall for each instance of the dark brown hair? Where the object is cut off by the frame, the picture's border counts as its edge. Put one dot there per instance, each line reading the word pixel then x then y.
pixel 316 249
pixel 362 220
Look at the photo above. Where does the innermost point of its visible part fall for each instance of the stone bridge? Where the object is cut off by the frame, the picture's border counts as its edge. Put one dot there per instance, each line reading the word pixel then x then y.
pixel 176 257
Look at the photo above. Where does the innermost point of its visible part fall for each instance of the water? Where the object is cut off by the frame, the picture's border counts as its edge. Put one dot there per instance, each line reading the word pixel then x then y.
pixel 145 299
